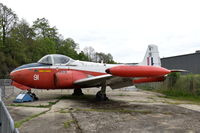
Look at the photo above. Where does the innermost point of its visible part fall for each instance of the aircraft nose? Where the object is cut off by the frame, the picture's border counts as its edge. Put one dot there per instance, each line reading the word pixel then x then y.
pixel 17 76
pixel 12 75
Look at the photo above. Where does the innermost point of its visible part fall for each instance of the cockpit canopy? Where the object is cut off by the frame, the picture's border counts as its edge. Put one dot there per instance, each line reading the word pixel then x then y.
pixel 55 59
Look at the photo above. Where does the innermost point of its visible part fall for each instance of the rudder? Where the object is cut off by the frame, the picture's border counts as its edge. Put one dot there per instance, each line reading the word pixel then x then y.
pixel 151 57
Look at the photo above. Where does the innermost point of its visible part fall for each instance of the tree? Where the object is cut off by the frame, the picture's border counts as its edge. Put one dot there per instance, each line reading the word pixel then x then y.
pixel 90 53
pixel 72 43
pixel 106 58
pixel 20 40
pixel 41 47
pixel 8 20
pixel 82 56
pixel 46 39
pixel 42 29
pixel 1 35
pixel 110 59
pixel 22 31
pixel 67 47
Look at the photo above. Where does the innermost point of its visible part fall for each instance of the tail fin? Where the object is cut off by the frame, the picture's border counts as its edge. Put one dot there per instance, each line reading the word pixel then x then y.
pixel 151 57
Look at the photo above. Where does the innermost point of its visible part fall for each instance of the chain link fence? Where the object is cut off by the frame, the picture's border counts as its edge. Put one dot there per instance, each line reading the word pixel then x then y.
pixel 6 89
pixel 6 121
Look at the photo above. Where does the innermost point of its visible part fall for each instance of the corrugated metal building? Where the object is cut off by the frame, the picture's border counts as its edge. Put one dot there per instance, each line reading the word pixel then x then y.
pixel 190 62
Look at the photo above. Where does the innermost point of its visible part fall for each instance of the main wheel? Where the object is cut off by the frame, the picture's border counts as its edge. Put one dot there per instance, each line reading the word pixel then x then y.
pixel 35 97
pixel 101 97
pixel 77 92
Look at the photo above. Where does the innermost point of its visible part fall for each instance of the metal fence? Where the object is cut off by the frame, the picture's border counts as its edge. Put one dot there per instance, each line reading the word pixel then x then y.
pixel 5 82
pixel 6 89
pixel 6 121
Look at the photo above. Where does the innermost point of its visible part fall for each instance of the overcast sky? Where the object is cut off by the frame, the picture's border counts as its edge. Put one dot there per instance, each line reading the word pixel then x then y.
pixel 123 28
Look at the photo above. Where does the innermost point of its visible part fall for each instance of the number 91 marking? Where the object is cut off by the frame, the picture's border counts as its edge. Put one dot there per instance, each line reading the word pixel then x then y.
pixel 36 77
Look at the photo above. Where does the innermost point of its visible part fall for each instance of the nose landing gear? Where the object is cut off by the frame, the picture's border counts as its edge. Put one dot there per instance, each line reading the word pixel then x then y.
pixel 35 98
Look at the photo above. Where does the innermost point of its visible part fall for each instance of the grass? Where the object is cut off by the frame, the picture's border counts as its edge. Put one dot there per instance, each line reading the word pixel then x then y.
pixel 176 86
pixel 63 111
pixel 35 106
pixel 19 123
pixel 27 105
pixel 67 124
pixel 179 95
pixel 53 103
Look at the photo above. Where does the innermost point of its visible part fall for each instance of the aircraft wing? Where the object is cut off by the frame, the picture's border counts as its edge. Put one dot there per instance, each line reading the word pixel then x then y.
pixel 113 81
pixel 93 81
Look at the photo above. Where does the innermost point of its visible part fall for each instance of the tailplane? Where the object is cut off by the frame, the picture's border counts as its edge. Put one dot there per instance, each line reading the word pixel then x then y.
pixel 151 57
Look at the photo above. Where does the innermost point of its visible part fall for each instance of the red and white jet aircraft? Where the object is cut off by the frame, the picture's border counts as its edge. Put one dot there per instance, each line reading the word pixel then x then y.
pixel 56 71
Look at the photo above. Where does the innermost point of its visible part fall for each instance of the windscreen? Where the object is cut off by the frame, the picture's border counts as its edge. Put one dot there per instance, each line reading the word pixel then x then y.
pixel 45 60
pixel 60 59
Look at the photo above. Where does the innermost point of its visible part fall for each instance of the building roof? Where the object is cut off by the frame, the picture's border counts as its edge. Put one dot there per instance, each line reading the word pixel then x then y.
pixel 197 52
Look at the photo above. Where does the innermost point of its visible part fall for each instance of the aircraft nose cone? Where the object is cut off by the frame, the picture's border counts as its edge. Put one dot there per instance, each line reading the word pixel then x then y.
pixel 12 76
pixel 16 76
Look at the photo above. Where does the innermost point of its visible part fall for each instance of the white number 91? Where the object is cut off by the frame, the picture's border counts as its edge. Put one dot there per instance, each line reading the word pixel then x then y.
pixel 36 77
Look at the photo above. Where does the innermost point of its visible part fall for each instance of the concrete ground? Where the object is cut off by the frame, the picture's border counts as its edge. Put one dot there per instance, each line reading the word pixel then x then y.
pixel 127 111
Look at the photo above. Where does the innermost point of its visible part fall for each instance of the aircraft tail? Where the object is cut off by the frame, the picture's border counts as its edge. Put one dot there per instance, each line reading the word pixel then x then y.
pixel 151 57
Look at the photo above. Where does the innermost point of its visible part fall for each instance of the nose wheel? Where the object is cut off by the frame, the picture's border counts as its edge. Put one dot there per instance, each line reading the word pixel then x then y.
pixel 35 98
pixel 101 95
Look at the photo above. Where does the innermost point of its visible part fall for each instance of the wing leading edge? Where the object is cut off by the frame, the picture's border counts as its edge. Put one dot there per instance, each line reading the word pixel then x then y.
pixel 92 81
pixel 114 82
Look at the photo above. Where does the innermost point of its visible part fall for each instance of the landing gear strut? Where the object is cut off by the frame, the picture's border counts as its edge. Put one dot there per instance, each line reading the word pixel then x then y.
pixel 35 98
pixel 101 95
pixel 77 92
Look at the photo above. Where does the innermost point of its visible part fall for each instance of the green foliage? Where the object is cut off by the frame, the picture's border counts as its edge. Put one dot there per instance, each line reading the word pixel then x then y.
pixel 42 29
pixel 178 86
pixel 19 123
pixel 172 79
pixel 67 124
pixel 67 47
pixel 98 57
pixel 82 56
pixel 8 20
pixel 106 58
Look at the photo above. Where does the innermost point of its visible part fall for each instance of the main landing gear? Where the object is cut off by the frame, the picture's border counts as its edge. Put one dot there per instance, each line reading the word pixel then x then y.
pixel 101 95
pixel 77 92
